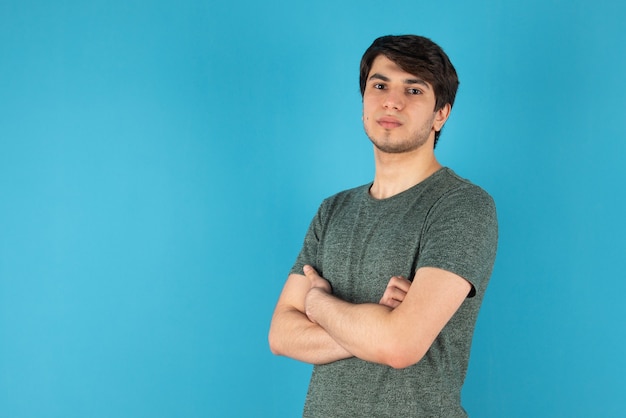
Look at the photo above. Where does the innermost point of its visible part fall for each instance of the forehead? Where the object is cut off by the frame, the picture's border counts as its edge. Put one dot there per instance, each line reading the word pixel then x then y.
pixel 382 62
pixel 383 66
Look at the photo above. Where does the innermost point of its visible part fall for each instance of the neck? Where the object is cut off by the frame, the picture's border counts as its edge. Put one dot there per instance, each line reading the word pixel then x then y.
pixel 396 173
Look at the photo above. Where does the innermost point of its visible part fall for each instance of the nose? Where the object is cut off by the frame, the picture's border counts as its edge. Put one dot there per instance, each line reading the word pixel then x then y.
pixel 393 100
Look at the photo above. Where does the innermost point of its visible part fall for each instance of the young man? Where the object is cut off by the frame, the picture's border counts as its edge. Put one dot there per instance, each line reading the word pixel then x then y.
pixel 385 292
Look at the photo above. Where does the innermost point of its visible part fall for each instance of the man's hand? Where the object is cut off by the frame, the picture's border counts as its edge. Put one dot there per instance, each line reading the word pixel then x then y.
pixel 318 284
pixel 293 333
pixel 395 292
pixel 316 280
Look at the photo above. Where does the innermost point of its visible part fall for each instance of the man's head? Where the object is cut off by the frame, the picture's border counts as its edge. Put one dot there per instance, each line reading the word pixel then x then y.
pixel 418 56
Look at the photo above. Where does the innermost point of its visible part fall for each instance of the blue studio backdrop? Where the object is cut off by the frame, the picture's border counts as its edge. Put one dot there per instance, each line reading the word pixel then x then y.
pixel 160 162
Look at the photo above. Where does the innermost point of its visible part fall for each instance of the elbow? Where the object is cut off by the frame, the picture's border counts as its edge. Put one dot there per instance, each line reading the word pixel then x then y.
pixel 402 355
pixel 275 343
pixel 401 362
pixel 273 346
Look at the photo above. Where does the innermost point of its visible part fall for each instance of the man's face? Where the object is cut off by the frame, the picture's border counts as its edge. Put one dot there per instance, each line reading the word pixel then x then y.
pixel 398 109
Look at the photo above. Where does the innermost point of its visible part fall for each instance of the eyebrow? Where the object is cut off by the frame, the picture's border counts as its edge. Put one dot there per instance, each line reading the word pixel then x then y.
pixel 378 76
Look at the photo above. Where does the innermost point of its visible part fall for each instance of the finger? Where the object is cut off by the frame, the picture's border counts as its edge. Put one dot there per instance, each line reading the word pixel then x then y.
pixel 400 283
pixel 309 271
pixel 390 302
pixel 392 297
pixel 393 292
pixel 315 279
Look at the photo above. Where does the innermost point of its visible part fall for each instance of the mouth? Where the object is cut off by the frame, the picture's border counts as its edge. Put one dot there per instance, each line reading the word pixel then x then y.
pixel 389 122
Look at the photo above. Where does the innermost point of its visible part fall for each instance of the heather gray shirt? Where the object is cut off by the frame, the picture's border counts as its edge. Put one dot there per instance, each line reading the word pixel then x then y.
pixel 358 243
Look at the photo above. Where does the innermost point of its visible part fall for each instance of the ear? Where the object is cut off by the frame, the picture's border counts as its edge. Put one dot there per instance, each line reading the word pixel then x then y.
pixel 441 116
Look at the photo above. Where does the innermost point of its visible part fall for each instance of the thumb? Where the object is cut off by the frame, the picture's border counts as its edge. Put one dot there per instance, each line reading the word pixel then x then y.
pixel 308 270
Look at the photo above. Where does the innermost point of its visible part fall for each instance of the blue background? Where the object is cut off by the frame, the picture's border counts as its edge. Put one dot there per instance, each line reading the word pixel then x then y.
pixel 160 163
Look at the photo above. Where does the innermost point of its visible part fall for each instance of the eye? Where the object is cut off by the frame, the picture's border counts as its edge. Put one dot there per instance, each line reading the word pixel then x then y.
pixel 414 91
pixel 378 86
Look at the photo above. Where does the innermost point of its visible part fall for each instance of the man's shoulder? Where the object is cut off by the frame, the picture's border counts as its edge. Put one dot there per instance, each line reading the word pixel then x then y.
pixel 348 195
pixel 454 186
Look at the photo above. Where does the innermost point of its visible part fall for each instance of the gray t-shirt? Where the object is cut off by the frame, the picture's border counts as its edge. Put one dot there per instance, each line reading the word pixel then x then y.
pixel 358 243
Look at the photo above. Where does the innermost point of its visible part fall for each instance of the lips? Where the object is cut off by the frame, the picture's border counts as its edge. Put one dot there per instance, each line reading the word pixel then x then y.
pixel 388 122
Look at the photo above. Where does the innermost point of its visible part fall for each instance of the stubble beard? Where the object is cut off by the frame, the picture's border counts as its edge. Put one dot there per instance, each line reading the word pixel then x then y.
pixel 385 143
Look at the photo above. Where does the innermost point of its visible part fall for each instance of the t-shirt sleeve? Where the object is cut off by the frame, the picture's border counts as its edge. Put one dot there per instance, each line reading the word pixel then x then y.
pixel 309 251
pixel 461 235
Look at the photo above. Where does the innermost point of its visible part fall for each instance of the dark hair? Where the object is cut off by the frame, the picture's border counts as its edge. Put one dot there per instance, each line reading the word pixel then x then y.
pixel 418 56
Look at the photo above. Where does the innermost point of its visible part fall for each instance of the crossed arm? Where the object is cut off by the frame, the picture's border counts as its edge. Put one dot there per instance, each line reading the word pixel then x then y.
pixel 312 325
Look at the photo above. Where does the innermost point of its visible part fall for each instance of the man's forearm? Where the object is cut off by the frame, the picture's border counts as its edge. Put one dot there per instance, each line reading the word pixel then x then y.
pixel 292 334
pixel 366 330
pixel 400 336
